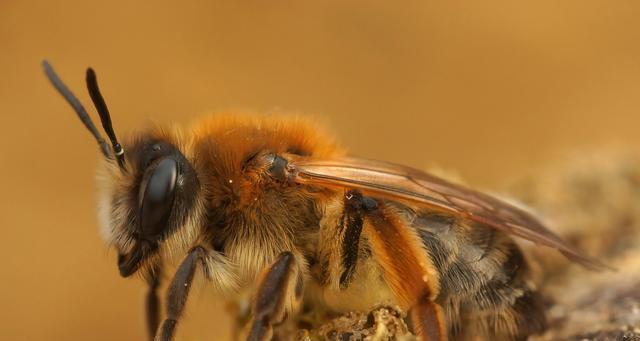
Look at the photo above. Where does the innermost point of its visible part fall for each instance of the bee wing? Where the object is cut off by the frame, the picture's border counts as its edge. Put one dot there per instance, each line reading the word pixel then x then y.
pixel 396 182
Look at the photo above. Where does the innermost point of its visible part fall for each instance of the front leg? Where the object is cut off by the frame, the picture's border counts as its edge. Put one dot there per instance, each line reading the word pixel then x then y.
pixel 280 286
pixel 179 291
pixel 152 302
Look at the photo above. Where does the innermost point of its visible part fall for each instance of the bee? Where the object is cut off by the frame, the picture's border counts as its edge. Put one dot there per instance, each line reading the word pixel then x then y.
pixel 276 207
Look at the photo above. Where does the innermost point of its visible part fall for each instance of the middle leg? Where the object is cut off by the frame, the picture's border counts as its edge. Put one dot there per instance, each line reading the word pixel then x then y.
pixel 279 288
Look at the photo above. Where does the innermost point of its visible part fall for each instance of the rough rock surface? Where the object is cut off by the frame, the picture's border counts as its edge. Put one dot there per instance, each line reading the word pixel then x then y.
pixel 382 323
pixel 594 202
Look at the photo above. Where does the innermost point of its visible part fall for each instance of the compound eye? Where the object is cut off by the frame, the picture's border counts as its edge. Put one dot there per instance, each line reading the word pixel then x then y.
pixel 158 198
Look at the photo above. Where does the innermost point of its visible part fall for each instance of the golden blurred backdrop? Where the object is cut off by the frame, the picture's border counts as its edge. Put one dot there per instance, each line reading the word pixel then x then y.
pixel 489 89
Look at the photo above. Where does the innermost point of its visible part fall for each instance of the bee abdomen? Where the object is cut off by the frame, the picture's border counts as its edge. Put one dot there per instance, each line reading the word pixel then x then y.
pixel 508 306
pixel 485 286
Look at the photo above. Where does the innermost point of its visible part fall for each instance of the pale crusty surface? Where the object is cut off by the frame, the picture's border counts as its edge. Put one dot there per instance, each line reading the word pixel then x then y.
pixel 594 200
pixel 382 323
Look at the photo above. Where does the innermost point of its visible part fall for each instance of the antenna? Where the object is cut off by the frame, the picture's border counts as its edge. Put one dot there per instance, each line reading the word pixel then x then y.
pixel 105 117
pixel 76 105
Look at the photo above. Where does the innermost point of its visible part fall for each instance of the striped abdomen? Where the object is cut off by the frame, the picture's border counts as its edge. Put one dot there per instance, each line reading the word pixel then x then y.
pixel 485 285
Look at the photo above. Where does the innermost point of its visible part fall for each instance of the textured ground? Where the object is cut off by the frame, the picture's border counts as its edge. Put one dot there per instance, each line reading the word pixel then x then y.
pixel 383 323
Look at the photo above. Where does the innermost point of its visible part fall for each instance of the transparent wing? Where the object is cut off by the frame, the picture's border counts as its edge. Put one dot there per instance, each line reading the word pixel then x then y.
pixel 396 182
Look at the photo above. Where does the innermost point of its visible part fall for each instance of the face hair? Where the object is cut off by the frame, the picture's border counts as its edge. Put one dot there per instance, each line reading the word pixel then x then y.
pixel 105 117
pixel 76 105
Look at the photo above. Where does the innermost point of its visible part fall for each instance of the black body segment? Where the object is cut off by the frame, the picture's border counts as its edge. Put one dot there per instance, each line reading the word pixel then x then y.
pixel 178 293
pixel 349 230
pixel 152 302
pixel 276 286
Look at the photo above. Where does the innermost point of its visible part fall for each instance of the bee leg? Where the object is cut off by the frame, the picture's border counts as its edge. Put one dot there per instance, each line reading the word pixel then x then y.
pixel 349 230
pixel 428 322
pixel 152 302
pixel 178 292
pixel 407 269
pixel 278 285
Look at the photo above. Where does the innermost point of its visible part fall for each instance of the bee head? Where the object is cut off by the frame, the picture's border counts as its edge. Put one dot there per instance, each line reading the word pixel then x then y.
pixel 149 200
pixel 153 204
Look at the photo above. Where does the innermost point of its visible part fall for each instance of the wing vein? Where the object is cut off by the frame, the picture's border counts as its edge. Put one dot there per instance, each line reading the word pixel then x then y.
pixel 394 182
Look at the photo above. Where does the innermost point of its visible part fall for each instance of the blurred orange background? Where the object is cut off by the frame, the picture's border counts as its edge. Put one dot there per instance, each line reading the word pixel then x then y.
pixel 489 90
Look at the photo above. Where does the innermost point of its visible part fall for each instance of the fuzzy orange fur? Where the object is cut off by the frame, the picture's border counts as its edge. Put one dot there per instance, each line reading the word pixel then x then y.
pixel 407 268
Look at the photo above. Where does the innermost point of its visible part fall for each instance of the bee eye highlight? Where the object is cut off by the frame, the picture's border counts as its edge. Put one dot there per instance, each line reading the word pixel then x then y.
pixel 158 199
